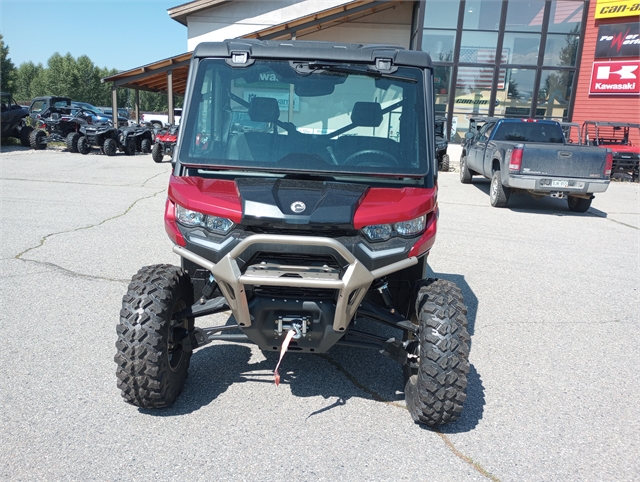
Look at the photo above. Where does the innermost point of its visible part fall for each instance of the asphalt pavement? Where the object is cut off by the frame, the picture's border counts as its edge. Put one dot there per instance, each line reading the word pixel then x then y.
pixel 553 307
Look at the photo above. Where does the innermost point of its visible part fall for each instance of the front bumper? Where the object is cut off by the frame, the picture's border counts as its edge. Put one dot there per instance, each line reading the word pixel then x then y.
pixel 351 285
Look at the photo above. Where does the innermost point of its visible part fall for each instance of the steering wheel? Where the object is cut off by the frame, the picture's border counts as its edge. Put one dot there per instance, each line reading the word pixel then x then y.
pixel 384 159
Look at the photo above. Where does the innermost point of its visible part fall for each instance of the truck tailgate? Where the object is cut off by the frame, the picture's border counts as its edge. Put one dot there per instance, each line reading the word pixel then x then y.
pixel 563 161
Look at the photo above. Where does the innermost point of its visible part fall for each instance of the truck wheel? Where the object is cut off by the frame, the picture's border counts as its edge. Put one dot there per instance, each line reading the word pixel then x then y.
pixel 25 133
pixel 465 173
pixel 578 204
pixel 72 141
pixel 156 153
pixel 145 146
pixel 498 194
pixel 35 139
pixel 110 147
pixel 130 147
pixel 83 145
pixel 436 393
pixel 444 164
pixel 151 353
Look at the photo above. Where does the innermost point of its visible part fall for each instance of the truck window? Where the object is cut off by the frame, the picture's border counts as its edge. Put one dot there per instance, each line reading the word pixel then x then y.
pixel 529 132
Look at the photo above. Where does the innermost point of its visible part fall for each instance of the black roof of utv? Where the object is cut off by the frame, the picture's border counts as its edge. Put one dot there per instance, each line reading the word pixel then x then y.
pixel 313 50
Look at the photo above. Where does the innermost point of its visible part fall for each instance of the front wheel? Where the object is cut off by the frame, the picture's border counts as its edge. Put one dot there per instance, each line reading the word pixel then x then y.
pixel 153 350
pixel 130 147
pixel 498 194
pixel 110 147
pixel 156 152
pixel 465 173
pixel 36 139
pixel 72 141
pixel 578 204
pixel 145 146
pixel 25 132
pixel 436 393
pixel 83 145
pixel 444 164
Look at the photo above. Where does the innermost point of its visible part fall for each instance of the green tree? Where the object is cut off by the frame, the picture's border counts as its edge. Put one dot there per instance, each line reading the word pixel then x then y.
pixel 7 69
pixel 26 82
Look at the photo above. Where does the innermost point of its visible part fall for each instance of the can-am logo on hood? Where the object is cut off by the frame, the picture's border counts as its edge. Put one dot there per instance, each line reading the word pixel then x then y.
pixel 298 207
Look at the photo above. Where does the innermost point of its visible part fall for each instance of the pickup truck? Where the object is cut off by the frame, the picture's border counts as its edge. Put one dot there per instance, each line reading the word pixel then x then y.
pixel 532 156
pixel 161 120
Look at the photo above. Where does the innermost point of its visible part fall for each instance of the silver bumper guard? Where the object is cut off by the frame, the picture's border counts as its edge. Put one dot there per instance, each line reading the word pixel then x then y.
pixel 352 287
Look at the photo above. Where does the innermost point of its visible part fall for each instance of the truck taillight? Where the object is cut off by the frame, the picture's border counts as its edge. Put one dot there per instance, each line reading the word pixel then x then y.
pixel 608 164
pixel 515 163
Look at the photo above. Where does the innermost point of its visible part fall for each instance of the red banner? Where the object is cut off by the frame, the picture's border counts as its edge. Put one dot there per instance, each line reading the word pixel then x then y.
pixel 616 77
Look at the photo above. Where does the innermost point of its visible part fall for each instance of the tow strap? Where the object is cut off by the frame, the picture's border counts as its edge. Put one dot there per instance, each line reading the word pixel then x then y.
pixel 283 350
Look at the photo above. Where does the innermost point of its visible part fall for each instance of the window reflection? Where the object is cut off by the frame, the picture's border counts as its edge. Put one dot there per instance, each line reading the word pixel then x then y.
pixel 554 93
pixel 442 86
pixel 514 100
pixel 566 16
pixel 525 15
pixel 439 44
pixel 482 14
pixel 478 47
pixel 521 48
pixel 441 13
pixel 561 50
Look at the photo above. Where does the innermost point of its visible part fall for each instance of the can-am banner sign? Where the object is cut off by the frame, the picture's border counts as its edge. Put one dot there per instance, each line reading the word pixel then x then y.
pixel 615 77
pixel 617 8
pixel 618 40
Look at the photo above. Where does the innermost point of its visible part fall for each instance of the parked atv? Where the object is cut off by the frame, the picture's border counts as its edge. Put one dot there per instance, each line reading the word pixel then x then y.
pixel 165 142
pixel 442 143
pixel 14 118
pixel 103 135
pixel 615 136
pixel 309 235
pixel 135 138
pixel 59 127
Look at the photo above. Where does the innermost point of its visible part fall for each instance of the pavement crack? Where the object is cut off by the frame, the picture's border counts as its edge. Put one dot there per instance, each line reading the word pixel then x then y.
pixel 46 237
pixel 75 274
pixel 153 177
pixel 379 398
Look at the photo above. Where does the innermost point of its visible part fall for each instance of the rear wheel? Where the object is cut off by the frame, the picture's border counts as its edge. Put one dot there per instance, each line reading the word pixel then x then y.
pixel 435 394
pixel 578 204
pixel 465 174
pixel 25 132
pixel 145 146
pixel 153 349
pixel 72 141
pixel 444 164
pixel 498 194
pixel 83 145
pixel 110 147
pixel 156 152
pixel 35 139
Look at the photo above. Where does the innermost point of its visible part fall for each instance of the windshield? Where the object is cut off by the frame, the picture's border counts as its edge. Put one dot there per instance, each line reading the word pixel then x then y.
pixel 306 116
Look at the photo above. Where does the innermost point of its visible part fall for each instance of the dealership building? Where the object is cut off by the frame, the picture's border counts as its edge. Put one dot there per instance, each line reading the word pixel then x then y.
pixel 568 60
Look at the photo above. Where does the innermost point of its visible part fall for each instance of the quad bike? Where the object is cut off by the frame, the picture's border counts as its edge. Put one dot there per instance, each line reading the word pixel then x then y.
pixel 14 119
pixel 102 135
pixel 165 142
pixel 55 126
pixel 304 227
pixel 441 144
pixel 617 137
pixel 135 138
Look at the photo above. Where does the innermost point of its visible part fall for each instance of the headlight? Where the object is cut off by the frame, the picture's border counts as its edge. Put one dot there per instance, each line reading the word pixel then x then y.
pixel 382 232
pixel 214 224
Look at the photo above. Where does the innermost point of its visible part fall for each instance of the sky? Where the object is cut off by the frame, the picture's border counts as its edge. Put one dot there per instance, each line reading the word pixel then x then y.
pixel 120 34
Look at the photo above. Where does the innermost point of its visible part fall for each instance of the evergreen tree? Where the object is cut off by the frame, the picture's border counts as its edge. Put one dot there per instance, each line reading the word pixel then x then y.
pixel 7 69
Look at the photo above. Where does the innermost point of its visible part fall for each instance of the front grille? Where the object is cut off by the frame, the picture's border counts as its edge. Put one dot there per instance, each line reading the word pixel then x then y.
pixel 294 293
pixel 306 231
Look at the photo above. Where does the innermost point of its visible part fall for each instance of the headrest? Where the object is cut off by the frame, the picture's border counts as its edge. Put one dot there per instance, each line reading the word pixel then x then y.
pixel 264 109
pixel 366 114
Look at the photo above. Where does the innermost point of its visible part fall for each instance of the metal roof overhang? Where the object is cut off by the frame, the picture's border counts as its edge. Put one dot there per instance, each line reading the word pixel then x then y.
pixel 153 77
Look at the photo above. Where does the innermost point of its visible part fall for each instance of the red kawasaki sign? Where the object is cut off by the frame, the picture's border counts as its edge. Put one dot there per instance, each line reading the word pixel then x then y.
pixel 620 77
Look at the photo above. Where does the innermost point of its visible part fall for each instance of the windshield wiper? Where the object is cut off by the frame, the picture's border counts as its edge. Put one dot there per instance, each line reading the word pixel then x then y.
pixel 314 67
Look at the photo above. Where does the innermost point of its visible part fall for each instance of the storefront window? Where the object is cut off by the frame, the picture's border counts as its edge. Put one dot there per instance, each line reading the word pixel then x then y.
pixel 442 87
pixel 516 95
pixel 478 47
pixel 441 13
pixel 525 15
pixel 439 44
pixel 554 93
pixel 521 48
pixel 482 14
pixel 561 50
pixel 566 16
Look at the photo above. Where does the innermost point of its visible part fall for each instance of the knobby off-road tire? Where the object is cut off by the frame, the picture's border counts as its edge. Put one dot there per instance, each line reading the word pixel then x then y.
pixel 444 164
pixel 465 173
pixel 72 141
pixel 110 147
pixel 130 147
pixel 25 133
pixel 578 204
pixel 151 356
pixel 436 394
pixel 156 153
pixel 145 146
pixel 83 145
pixel 498 194
pixel 35 139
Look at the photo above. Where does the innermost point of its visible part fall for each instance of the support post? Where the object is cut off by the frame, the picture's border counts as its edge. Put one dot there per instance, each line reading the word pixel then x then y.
pixel 170 95
pixel 114 105
pixel 136 107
